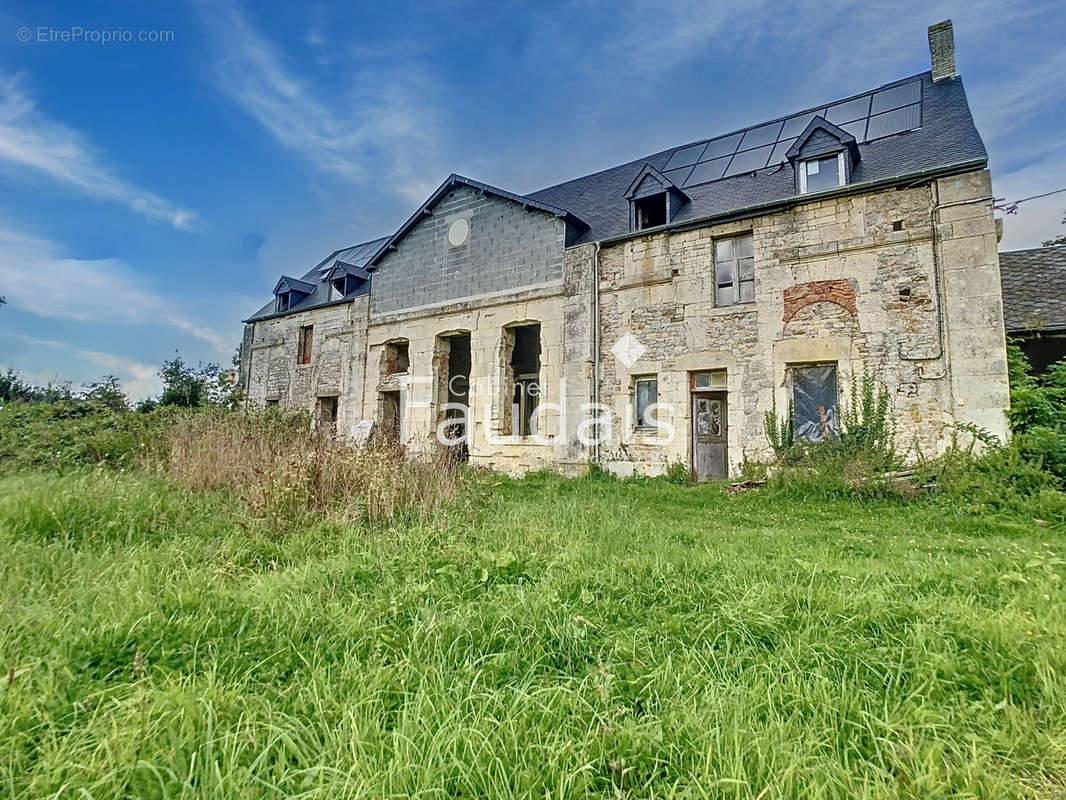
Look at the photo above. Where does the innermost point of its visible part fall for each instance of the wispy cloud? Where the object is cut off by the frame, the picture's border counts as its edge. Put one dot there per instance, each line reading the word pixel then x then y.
pixel 138 380
pixel 379 127
pixel 36 276
pixel 31 141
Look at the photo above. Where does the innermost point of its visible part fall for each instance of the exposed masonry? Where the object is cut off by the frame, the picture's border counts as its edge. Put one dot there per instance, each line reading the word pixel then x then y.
pixel 837 280
pixel 802 295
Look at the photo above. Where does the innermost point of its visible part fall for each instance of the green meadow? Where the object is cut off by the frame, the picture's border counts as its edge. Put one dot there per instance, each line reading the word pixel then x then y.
pixel 542 637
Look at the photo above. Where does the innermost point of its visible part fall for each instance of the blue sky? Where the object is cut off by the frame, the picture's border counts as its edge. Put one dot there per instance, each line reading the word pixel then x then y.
pixel 152 192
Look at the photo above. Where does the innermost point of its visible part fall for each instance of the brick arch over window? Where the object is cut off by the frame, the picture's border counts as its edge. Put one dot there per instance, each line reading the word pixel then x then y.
pixel 839 292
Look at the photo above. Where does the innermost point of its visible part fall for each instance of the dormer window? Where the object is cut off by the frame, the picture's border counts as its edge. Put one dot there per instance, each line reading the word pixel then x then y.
pixel 345 280
pixel 650 212
pixel 825 157
pixel 289 292
pixel 653 198
pixel 343 286
pixel 819 174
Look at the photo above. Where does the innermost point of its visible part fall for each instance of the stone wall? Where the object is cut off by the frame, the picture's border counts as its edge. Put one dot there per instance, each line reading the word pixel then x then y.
pixel 337 359
pixel 849 280
pixel 562 311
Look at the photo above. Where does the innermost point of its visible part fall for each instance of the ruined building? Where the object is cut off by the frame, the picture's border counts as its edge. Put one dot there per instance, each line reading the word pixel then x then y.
pixel 670 302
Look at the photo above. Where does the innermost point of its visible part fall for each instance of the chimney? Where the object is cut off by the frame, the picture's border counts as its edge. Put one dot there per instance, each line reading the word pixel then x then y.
pixel 942 50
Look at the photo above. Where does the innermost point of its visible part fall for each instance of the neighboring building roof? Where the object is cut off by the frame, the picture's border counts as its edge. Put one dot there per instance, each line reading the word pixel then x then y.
pixel 904 128
pixel 1034 289
pixel 356 256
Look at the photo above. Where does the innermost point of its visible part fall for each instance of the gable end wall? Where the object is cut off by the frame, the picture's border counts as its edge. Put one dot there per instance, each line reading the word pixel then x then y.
pixel 509 247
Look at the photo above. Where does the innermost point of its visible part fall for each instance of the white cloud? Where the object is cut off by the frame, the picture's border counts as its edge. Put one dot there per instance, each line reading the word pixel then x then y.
pixel 380 128
pixel 37 277
pixel 138 380
pixel 30 141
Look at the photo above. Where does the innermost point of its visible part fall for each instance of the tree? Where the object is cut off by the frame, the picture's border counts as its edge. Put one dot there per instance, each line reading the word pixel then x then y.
pixel 107 391
pixel 1058 240
pixel 184 385
pixel 195 387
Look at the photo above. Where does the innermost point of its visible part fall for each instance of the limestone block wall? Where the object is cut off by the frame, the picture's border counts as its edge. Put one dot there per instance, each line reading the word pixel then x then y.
pixel 973 301
pixel 563 313
pixel 850 280
pixel 903 283
pixel 269 359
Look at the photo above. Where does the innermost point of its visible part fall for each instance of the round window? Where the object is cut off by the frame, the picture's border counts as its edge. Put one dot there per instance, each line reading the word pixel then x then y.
pixel 458 232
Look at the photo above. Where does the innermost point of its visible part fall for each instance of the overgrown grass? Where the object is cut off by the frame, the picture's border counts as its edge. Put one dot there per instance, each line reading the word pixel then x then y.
pixel 537 638
pixel 287 472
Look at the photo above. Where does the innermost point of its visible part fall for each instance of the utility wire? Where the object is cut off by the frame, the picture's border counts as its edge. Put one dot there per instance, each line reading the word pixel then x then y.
pixel 1012 207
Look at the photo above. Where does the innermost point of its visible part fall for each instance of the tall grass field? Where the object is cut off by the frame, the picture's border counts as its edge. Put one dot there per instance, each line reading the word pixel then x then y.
pixel 167 636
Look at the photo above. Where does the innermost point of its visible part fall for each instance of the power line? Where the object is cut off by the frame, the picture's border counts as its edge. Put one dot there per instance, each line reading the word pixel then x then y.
pixel 1012 207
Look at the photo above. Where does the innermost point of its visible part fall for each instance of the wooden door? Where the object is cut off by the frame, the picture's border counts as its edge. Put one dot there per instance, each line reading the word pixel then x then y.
pixel 710 456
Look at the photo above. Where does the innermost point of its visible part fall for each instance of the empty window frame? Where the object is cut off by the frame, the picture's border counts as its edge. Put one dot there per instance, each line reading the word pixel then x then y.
pixel 525 371
pixel 819 174
pixel 734 270
pixel 282 302
pixel 815 416
pixel 327 413
pixel 306 336
pixel 397 358
pixel 391 415
pixel 650 212
pixel 645 395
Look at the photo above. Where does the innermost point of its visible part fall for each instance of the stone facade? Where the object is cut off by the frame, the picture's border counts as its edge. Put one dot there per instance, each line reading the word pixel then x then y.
pixel 900 282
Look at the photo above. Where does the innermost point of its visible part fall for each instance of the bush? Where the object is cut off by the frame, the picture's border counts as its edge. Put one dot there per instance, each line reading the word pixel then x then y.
pixel 74 433
pixel 852 465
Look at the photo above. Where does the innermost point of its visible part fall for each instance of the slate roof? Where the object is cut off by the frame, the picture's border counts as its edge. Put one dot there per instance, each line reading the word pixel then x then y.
pixel 356 256
pixel 946 139
pixel 903 130
pixel 1034 289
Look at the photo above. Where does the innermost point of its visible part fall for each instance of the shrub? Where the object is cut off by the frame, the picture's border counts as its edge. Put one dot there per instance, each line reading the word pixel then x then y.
pixel 852 465
pixel 779 431
pixel 74 433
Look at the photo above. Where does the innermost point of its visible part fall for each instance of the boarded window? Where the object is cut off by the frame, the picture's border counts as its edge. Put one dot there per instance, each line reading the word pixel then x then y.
pixel 304 351
pixel 734 270
pixel 814 402
pixel 646 394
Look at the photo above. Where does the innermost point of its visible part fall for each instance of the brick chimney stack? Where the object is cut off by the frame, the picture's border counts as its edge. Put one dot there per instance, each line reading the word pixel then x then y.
pixel 942 50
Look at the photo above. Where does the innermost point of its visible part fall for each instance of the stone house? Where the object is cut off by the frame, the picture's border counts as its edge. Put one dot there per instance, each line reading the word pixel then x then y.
pixel 652 313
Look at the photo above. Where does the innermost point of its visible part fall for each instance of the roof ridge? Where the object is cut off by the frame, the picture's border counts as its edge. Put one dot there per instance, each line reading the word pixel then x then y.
pixel 1033 249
